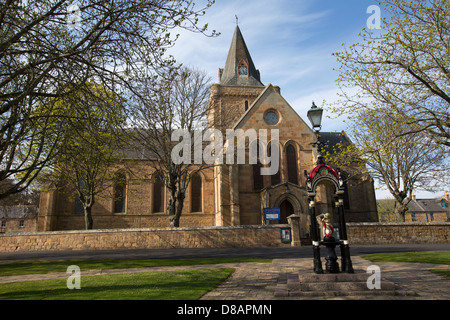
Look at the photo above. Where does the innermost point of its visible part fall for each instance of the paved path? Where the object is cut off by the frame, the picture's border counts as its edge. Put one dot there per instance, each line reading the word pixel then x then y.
pixel 257 281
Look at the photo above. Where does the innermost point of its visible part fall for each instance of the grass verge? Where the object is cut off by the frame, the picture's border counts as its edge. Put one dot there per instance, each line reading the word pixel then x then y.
pixel 436 257
pixel 172 285
pixel 42 267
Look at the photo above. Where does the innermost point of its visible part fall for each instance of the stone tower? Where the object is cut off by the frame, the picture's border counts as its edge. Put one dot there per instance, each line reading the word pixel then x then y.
pixel 239 85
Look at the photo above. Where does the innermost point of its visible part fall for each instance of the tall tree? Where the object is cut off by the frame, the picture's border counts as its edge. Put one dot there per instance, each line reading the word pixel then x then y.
pixel 90 147
pixel 49 48
pixel 404 68
pixel 401 162
pixel 177 103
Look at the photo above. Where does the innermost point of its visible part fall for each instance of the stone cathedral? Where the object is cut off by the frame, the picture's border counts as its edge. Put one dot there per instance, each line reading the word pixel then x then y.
pixel 226 195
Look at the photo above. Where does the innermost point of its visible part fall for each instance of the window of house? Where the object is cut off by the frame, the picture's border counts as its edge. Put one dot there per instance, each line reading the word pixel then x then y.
pixel 158 194
pixel 292 164
pixel 3 225
pixel 119 192
pixel 196 193
pixel 246 105
pixel 21 223
pixel 413 217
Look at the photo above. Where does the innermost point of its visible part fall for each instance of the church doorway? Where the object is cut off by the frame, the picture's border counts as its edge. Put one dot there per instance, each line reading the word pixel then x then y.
pixel 286 209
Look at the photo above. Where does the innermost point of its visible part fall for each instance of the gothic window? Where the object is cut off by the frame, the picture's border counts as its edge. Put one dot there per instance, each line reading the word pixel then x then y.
pixel 196 193
pixel 275 178
pixel 246 105
pixel 119 192
pixel 292 164
pixel 258 182
pixel 158 194
pixel 78 206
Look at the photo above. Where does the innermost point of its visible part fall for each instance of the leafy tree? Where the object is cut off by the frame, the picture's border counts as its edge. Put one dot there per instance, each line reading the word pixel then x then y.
pixel 91 143
pixel 402 164
pixel 49 48
pixel 403 68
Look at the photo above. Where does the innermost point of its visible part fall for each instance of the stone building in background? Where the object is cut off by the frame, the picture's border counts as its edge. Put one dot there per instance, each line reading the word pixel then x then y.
pixel 223 195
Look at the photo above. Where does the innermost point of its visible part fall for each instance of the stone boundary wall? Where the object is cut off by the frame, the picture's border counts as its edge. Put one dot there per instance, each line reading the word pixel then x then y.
pixel 215 237
pixel 164 238
pixel 398 233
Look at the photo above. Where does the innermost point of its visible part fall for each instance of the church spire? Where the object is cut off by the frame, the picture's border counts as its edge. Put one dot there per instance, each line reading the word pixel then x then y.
pixel 239 68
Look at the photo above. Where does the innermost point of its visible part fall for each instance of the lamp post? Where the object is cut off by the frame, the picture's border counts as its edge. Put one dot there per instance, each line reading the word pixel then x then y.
pixel 315 116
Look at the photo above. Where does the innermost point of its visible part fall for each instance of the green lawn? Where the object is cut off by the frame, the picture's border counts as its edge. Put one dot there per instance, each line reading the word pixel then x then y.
pixel 436 257
pixel 173 285
pixel 37 267
pixel 167 285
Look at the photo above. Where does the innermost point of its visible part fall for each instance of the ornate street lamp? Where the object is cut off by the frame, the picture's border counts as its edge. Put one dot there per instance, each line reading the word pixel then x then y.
pixel 315 116
pixel 323 172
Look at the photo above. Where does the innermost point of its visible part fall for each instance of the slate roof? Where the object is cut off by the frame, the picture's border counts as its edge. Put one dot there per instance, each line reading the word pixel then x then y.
pixel 332 139
pixel 18 212
pixel 238 52
pixel 427 205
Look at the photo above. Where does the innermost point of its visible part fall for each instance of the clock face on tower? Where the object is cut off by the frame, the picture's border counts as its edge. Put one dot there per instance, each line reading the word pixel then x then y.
pixel 242 71
pixel 271 117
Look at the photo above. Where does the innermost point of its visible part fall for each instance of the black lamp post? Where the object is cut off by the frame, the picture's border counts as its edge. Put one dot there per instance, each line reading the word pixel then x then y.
pixel 315 116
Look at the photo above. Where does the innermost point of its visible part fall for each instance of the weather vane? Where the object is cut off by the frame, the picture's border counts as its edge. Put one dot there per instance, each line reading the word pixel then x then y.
pixel 237 19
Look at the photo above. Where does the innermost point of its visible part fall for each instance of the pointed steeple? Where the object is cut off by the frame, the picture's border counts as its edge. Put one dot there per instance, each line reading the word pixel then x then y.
pixel 239 68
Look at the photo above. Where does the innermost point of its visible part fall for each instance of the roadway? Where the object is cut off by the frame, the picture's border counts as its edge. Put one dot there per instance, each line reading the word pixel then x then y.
pixel 270 253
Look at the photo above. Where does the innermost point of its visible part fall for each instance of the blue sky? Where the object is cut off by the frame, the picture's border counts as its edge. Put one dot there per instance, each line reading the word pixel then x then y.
pixel 290 41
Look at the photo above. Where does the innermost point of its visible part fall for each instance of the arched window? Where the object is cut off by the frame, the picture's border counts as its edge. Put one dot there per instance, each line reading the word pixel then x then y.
pixel 196 193
pixel 78 206
pixel 275 178
pixel 292 164
pixel 246 105
pixel 158 194
pixel 258 182
pixel 119 192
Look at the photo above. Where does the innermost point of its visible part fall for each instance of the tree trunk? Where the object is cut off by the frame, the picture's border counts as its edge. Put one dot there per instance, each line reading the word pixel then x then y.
pixel 88 218
pixel 171 208
pixel 400 211
pixel 179 209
